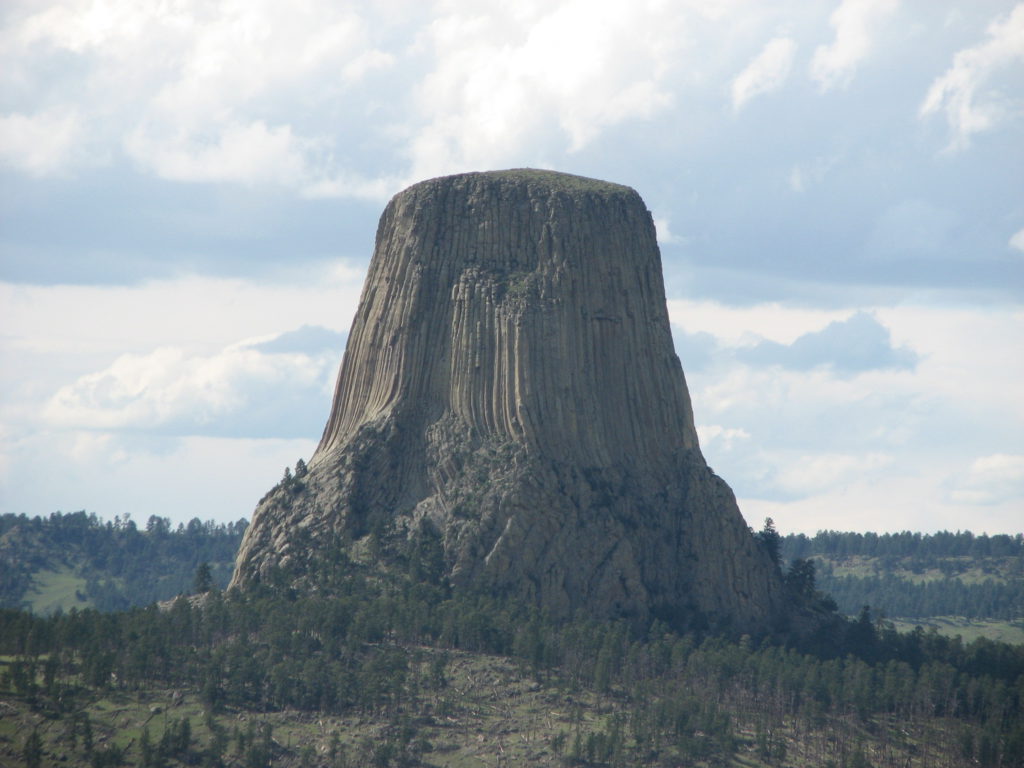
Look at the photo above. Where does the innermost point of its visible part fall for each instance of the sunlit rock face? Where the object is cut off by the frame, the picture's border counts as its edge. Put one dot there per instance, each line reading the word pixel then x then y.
pixel 510 386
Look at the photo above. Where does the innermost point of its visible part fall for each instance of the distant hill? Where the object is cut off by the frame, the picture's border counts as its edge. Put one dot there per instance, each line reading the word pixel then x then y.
pixel 77 560
pixel 961 583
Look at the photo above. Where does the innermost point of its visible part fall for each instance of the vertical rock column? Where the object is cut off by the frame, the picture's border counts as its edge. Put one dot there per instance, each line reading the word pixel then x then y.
pixel 510 381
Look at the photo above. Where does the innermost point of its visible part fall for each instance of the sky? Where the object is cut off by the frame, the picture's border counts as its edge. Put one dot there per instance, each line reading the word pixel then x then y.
pixel 189 191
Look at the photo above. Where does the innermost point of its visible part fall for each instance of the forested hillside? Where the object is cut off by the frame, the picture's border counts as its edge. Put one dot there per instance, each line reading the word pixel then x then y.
pixel 77 560
pixel 397 669
pixel 915 575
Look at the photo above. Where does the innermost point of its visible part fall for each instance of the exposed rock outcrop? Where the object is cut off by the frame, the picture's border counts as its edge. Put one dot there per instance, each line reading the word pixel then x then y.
pixel 510 382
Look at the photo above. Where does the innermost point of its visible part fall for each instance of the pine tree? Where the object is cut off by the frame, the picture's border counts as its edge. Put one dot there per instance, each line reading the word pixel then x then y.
pixel 771 541
pixel 32 752
pixel 204 579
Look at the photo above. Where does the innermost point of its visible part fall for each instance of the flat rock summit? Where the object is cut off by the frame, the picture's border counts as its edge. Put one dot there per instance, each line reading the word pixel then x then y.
pixel 510 387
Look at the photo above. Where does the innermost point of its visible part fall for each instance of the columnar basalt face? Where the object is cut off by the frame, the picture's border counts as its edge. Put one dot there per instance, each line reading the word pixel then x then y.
pixel 510 382
pixel 530 307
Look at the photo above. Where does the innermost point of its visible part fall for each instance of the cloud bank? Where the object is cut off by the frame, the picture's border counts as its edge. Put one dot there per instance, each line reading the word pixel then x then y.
pixel 275 388
pixel 836 188
pixel 847 347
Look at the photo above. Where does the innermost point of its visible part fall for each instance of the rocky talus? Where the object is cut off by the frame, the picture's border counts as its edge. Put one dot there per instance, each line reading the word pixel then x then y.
pixel 510 386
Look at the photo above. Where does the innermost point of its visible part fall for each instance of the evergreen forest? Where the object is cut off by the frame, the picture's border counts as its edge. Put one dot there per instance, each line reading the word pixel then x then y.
pixel 392 667
pixel 914 575
pixel 77 560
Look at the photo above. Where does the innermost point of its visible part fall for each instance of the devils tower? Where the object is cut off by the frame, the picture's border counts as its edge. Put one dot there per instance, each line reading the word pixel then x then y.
pixel 510 386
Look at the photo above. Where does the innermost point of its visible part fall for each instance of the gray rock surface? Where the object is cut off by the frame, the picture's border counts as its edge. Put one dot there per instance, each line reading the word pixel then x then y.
pixel 510 382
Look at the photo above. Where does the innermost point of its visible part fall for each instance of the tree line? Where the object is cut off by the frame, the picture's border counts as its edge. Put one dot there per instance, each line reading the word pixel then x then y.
pixel 121 564
pixel 942 597
pixel 904 544
pixel 919 575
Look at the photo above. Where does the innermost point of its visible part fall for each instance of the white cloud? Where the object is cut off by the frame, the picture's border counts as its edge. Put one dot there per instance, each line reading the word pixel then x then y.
pixel 849 347
pixel 872 452
pixel 797 181
pixel 991 480
pixel 41 144
pixel 745 325
pixel 110 375
pixel 241 390
pixel 201 315
pixel 725 437
pixel 354 99
pixel 813 172
pixel 766 73
pixel 805 447
pixel 367 62
pixel 206 477
pixel 84 26
pixel 352 185
pixel 262 92
pixel 855 23
pixel 196 91
pixel 204 56
pixel 325 99
pixel 664 232
pixel 966 360
pixel 501 80
pixel 161 361
pixel 236 153
pixel 959 91
pixel 815 473
pixel 1017 240
pixel 907 499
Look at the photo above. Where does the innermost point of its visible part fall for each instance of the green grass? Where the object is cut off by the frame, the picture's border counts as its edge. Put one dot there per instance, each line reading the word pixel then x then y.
pixel 969 570
pixel 55 589
pixel 968 629
pixel 860 567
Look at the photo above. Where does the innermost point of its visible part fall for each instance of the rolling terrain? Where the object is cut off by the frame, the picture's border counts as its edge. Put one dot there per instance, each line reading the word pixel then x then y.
pixel 396 671
pixel 76 560
pixel 957 583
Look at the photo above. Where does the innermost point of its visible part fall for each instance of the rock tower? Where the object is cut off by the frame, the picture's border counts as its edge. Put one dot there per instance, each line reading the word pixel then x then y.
pixel 510 385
